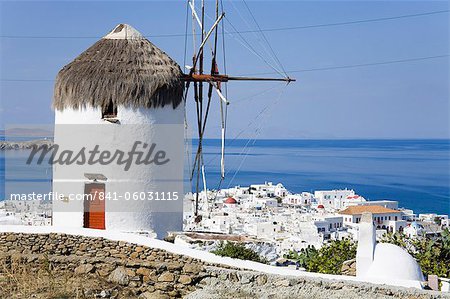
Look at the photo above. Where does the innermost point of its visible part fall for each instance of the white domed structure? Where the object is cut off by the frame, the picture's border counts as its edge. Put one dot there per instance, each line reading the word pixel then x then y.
pixel 393 262
pixel 122 92
pixel 382 262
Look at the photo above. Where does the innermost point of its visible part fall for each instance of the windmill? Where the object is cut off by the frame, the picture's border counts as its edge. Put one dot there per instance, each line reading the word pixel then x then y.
pixel 202 77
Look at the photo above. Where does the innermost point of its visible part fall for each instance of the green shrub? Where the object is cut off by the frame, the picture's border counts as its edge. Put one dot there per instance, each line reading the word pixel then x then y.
pixel 238 251
pixel 303 257
pixel 328 259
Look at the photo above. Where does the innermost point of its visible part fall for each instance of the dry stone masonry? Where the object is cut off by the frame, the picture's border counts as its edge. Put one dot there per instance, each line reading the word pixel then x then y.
pixel 116 269
pixel 142 270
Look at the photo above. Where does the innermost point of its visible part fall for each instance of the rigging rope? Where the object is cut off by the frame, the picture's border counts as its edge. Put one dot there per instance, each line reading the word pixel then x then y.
pixel 251 49
pixel 223 117
pixel 262 45
pixel 257 132
pixel 265 38
pixel 246 44
pixel 252 122
pixel 186 125
pixel 357 65
pixel 275 57
pixel 186 32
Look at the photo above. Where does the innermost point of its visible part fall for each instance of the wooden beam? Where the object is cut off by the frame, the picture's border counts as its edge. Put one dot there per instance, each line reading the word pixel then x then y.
pixel 226 78
pixel 210 31
pixel 287 79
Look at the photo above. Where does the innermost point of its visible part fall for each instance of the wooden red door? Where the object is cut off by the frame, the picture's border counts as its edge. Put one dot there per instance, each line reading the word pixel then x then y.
pixel 94 206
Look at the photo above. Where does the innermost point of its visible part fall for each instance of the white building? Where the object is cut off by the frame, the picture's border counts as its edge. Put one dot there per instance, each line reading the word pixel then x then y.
pixel 217 224
pixel 263 230
pixel 236 191
pixel 302 199
pixel 384 218
pixel 265 202
pixel 10 218
pixel 408 215
pixel 29 212
pixel 428 217
pixel 337 199
pixel 414 230
pixel 389 204
pixel 122 93
pixel 329 223
pixel 268 189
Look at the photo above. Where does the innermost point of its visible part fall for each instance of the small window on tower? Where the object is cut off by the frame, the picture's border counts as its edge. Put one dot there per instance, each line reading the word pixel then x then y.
pixel 110 111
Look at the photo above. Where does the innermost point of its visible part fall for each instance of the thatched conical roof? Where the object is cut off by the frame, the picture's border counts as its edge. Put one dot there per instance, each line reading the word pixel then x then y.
pixel 122 67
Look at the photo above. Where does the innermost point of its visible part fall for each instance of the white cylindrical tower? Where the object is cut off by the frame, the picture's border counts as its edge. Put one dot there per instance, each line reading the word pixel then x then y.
pixel 119 131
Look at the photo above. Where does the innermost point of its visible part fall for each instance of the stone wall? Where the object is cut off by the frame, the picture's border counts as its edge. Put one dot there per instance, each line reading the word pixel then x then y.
pixel 226 283
pixel 135 268
pixel 66 266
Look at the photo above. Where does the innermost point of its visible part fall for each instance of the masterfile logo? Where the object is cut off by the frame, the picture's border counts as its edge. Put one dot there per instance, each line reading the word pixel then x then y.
pixel 122 165
pixel 149 154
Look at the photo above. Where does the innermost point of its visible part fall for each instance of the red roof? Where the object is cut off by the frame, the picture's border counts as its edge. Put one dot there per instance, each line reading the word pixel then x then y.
pixel 320 207
pixel 230 200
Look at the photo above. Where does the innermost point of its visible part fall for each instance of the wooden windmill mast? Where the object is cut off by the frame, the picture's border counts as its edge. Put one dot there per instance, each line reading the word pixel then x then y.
pixel 197 77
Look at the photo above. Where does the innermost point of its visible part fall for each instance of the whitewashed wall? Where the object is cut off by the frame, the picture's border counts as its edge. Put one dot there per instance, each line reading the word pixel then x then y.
pixel 85 127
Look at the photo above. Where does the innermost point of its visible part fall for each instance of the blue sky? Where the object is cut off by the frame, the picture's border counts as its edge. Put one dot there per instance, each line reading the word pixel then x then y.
pixel 401 100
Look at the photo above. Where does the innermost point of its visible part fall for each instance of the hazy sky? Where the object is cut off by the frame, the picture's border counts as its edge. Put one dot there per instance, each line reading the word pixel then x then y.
pixel 399 100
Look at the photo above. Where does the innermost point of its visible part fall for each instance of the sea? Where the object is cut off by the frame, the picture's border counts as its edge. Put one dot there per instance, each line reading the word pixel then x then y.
pixel 416 173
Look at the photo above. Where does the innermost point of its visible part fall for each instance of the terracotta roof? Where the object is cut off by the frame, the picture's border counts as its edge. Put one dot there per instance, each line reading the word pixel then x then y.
pixel 320 207
pixel 230 200
pixel 356 210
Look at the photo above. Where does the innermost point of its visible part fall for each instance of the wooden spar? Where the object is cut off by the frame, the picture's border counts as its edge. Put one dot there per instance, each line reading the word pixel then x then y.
pixel 216 85
pixel 199 106
pixel 287 79
pixel 226 78
pixel 211 31
pixel 194 15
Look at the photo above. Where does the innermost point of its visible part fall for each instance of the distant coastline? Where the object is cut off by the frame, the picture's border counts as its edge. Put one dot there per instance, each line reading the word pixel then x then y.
pixel 20 145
